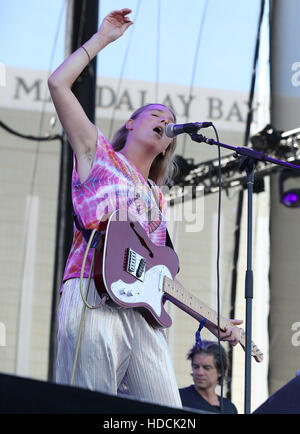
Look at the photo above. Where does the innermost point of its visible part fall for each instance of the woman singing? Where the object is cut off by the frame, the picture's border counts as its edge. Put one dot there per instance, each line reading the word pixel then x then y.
pixel 118 348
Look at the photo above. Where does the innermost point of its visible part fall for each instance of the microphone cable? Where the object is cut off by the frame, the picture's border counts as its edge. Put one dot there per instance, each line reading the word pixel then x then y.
pixel 218 266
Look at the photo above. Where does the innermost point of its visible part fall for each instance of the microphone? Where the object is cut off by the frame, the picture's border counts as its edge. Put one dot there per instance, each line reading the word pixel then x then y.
pixel 173 130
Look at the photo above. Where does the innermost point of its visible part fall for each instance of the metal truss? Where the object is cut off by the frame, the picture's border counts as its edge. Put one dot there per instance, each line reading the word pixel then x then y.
pixel 203 178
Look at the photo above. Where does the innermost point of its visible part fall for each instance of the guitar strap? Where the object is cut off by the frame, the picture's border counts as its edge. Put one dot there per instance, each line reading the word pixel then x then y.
pixel 197 335
pixel 87 232
pixel 168 238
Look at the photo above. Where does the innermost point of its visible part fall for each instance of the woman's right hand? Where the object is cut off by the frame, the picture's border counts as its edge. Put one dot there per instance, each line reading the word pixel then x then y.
pixel 115 24
pixel 82 133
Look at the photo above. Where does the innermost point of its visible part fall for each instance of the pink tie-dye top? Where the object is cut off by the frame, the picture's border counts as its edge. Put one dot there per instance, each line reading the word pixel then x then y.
pixel 113 183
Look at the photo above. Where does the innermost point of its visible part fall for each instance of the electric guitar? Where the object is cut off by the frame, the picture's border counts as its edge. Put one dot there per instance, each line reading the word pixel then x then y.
pixel 136 273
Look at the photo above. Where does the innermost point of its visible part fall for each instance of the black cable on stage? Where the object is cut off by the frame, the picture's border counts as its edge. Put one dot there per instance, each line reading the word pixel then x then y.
pixel 218 267
pixel 30 137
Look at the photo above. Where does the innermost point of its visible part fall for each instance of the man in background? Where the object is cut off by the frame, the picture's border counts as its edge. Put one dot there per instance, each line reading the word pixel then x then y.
pixel 208 361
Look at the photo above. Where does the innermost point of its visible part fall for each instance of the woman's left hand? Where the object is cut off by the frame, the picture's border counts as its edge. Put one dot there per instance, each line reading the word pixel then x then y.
pixel 231 334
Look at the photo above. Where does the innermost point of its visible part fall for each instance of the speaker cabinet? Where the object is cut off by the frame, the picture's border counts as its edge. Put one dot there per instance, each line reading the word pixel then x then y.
pixel 285 401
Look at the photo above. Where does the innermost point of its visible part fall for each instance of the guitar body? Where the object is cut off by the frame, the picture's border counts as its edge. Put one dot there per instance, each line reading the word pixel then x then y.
pixel 130 268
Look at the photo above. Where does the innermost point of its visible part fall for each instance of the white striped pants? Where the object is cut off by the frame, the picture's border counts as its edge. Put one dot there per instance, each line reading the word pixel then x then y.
pixel 118 350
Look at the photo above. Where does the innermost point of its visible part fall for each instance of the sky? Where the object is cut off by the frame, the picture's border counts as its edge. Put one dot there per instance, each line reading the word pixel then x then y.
pixel 204 43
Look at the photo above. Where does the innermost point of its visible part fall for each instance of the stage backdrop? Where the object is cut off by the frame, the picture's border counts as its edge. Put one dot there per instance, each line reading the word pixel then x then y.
pixel 284 222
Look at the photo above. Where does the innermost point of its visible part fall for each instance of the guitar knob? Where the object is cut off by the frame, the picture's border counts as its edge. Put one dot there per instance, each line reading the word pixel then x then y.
pixel 129 292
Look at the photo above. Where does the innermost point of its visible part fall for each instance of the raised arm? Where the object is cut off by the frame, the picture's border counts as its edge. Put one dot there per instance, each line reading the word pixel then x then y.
pixel 81 132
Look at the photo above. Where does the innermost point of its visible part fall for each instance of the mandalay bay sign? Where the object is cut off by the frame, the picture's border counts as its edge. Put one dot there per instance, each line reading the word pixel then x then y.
pixel 27 89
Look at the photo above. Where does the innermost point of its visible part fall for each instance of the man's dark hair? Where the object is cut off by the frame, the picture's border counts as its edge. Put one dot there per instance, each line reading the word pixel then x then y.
pixel 211 348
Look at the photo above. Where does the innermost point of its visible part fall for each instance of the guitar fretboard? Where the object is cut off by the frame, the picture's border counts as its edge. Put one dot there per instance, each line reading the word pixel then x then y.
pixel 190 301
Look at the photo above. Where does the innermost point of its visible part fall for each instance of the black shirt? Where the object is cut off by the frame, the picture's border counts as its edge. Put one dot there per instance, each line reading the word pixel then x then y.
pixel 191 398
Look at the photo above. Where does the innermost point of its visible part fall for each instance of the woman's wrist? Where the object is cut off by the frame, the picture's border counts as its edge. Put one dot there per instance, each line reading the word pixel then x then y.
pixel 95 44
pixel 72 67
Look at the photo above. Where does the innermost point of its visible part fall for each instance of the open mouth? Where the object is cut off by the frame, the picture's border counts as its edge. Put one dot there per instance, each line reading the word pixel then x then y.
pixel 159 131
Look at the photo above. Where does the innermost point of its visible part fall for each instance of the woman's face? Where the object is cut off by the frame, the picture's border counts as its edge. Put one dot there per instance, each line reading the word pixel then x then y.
pixel 150 125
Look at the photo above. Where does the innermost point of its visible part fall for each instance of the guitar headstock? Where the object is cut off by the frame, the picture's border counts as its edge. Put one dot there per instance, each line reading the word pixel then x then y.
pixel 255 351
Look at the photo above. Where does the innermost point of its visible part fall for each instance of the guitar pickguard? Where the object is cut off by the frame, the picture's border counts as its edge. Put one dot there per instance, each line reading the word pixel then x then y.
pixel 148 292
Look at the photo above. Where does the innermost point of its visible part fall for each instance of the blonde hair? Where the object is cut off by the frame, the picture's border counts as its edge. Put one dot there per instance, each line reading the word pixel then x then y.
pixel 163 166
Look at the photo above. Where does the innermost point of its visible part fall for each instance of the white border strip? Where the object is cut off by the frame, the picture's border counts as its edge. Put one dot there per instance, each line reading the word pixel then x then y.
pixel 27 289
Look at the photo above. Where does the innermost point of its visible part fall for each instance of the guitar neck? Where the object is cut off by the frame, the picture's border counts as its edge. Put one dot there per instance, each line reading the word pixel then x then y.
pixel 198 310
pixel 191 304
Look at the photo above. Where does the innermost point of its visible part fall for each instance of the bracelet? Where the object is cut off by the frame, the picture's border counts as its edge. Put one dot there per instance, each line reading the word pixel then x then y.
pixel 86 53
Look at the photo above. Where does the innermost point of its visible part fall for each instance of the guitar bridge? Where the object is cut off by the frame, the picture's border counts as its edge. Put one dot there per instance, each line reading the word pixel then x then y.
pixel 136 265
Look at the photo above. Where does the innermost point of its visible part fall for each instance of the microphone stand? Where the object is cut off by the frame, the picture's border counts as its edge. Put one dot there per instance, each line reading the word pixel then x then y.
pixel 247 163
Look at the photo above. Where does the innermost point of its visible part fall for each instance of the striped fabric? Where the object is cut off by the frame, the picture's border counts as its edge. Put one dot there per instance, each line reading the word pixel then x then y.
pixel 119 351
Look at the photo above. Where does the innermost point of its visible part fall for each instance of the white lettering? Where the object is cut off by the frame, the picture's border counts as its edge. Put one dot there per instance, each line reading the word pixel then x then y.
pixel 296 336
pixel 296 76
pixel 171 423
pixel 120 424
